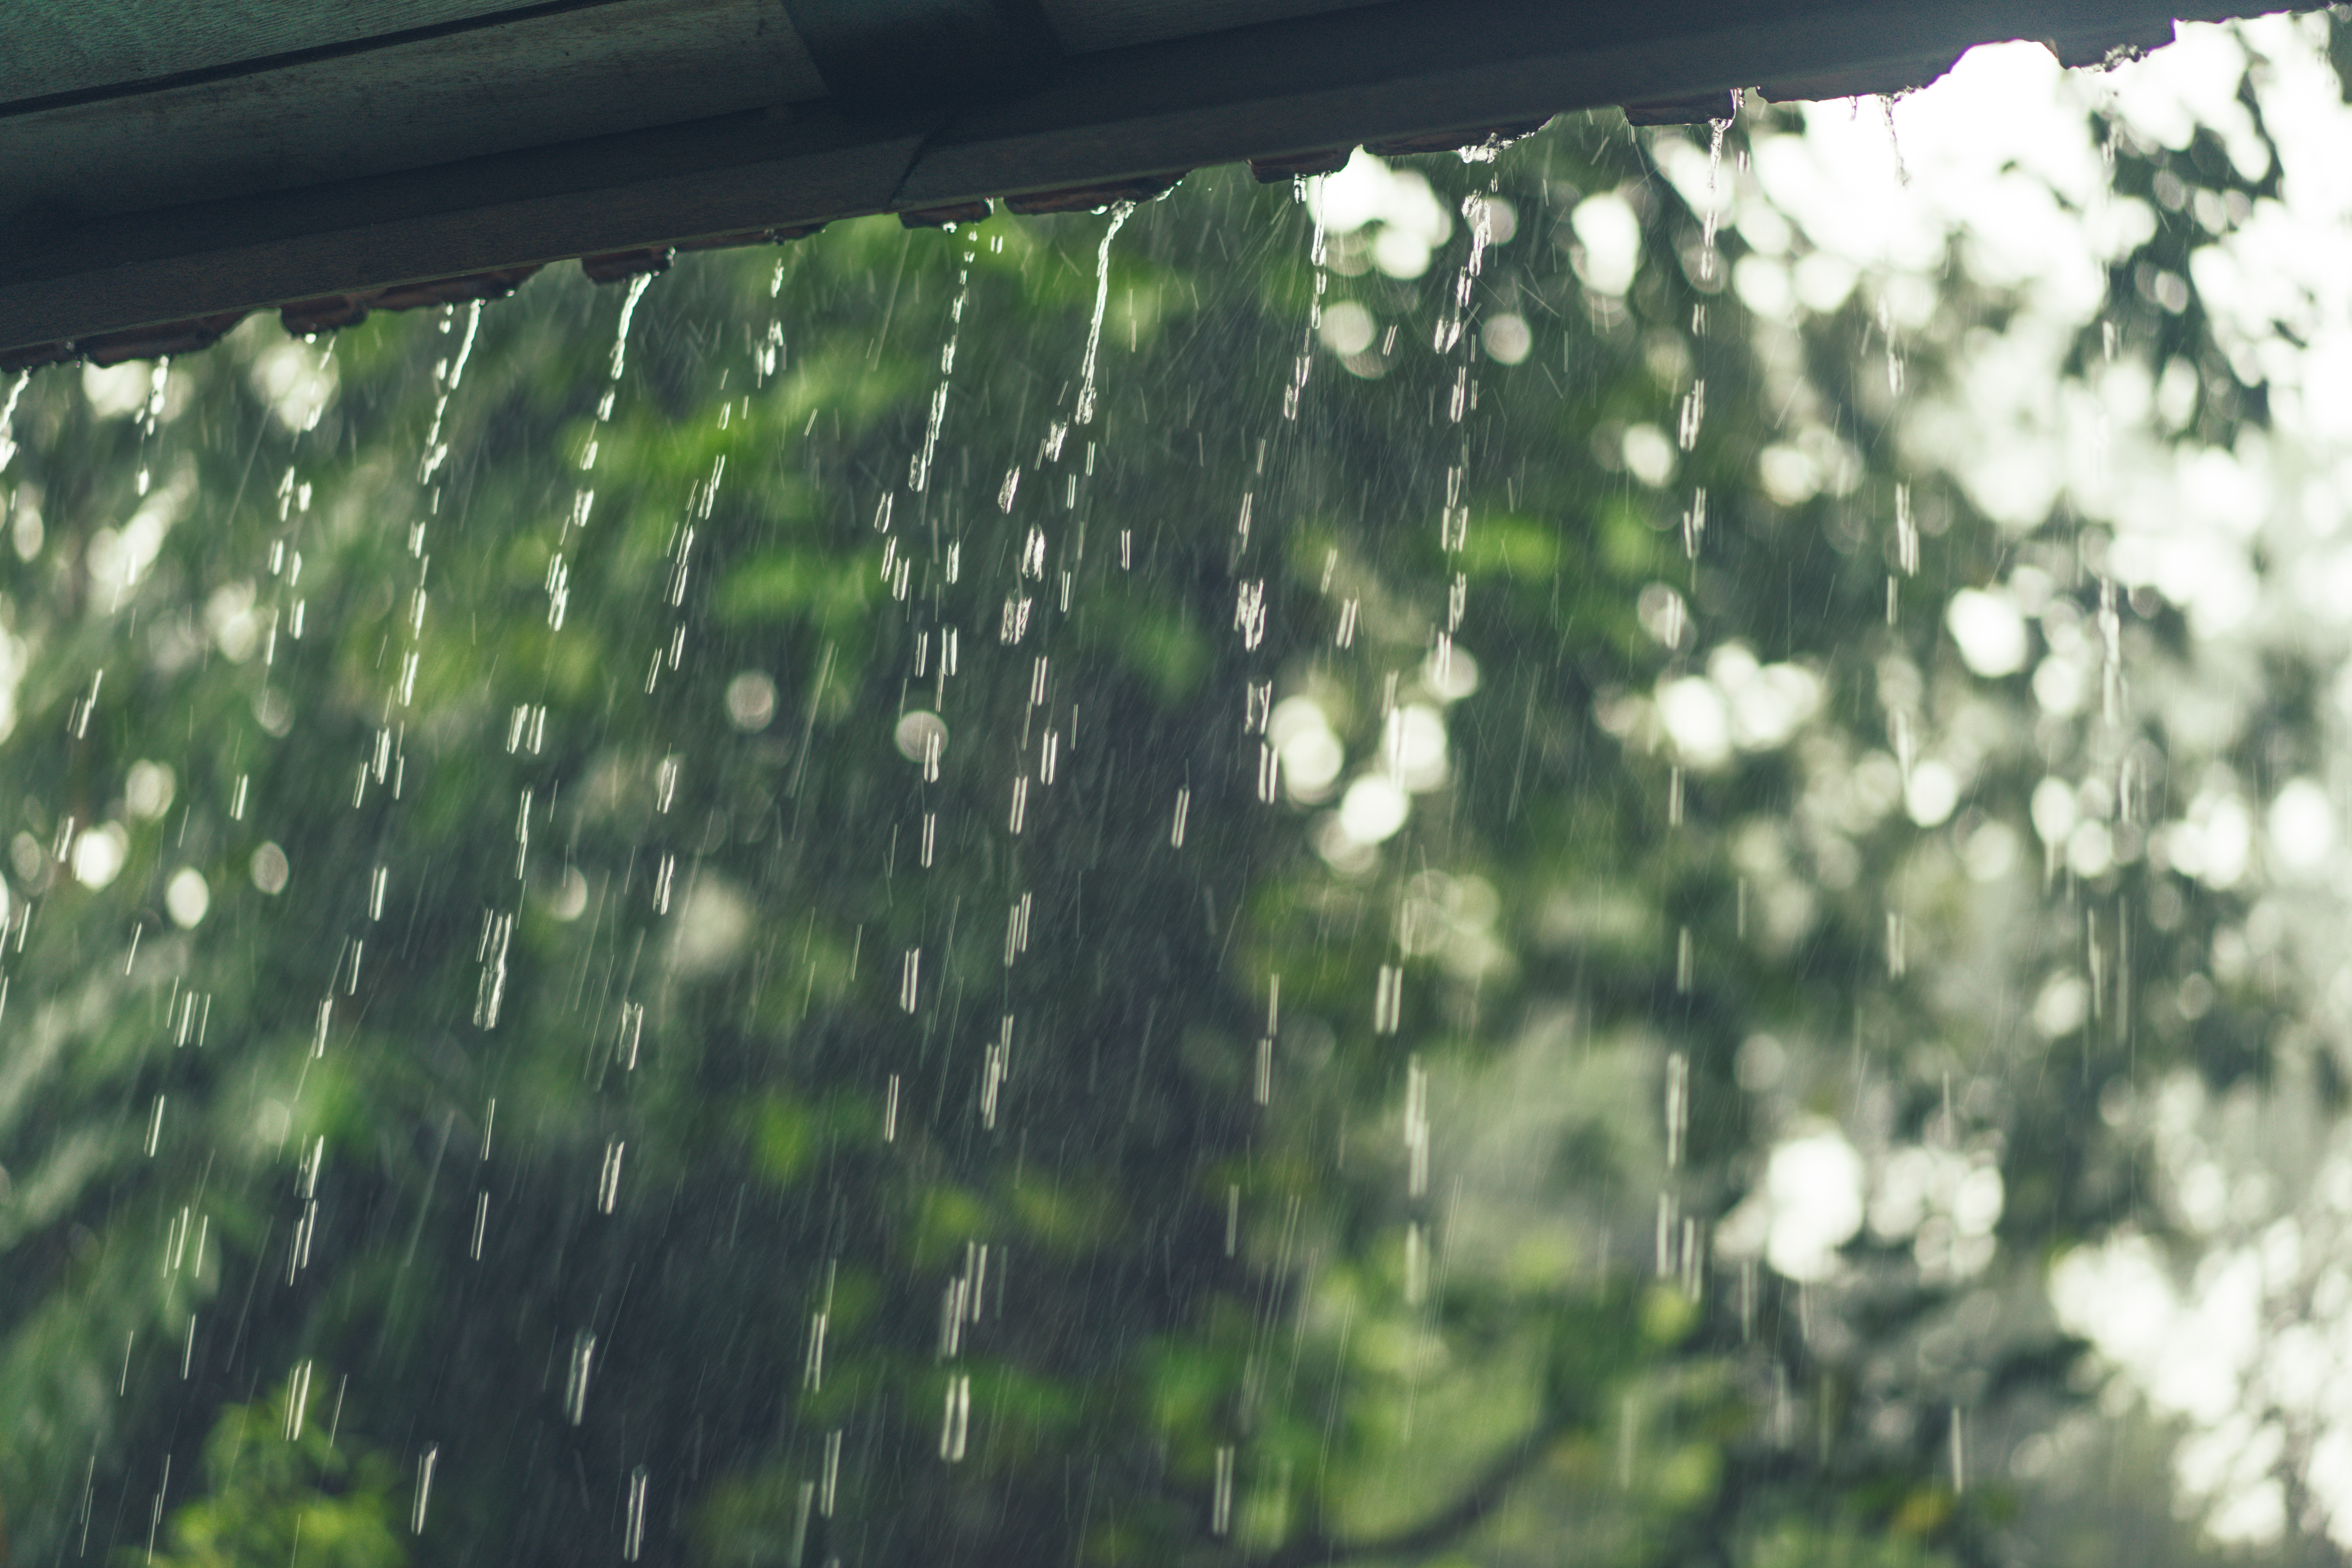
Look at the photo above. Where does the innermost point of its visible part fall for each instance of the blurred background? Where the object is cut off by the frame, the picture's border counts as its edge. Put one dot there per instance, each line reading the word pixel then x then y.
pixel 1624 849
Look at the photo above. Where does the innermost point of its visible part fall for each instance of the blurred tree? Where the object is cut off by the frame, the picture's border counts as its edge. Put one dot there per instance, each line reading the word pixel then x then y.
pixel 1315 1033
pixel 282 1487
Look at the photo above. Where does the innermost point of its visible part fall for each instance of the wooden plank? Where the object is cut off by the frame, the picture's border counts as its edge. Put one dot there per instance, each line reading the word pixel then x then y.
pixel 50 47
pixel 562 78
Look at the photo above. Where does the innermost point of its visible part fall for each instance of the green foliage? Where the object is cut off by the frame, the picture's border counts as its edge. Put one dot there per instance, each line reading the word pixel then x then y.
pixel 678 1097
pixel 273 1494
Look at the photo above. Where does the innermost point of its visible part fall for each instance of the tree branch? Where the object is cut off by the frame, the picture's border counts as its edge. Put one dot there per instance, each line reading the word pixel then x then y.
pixel 1481 1498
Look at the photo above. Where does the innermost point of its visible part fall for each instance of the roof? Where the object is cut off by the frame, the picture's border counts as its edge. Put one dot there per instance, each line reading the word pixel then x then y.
pixel 167 168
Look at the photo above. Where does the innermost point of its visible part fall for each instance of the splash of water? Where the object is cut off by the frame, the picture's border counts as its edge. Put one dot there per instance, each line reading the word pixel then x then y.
pixel 8 412
pixel 1714 209
pixel 1318 251
pixel 919 468
pixel 1119 216
pixel 1894 142
pixel 437 451
pixel 1452 320
pixel 638 287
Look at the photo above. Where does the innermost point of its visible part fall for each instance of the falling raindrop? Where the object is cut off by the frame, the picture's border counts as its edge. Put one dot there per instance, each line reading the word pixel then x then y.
pixel 1119 212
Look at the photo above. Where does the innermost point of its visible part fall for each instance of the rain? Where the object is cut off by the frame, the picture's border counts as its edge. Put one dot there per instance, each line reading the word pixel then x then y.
pixel 1638 856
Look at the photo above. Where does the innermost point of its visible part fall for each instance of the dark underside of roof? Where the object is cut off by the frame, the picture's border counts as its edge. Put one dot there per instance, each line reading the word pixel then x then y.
pixel 160 179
